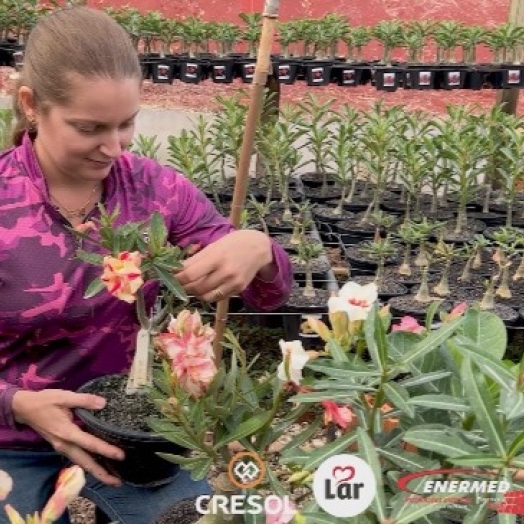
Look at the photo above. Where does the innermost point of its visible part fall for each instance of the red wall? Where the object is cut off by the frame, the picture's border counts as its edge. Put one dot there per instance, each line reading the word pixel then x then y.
pixel 366 12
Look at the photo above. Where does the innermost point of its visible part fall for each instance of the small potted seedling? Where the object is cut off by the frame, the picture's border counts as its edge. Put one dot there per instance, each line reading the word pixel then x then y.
pixel 147 146
pixel 261 210
pixel 446 253
pixel 353 71
pixel 408 234
pixel 390 34
pixel 424 230
pixel 448 36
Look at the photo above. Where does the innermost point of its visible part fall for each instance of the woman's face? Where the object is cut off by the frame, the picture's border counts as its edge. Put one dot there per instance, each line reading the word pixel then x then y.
pixel 79 142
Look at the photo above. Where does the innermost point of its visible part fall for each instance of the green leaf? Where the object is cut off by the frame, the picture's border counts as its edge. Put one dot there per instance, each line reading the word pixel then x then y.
pixel 274 483
pixel 339 384
pixel 179 459
pixel 171 432
pixel 433 340
pixel 172 284
pixel 399 397
pixel 438 439
pixel 424 379
pixel 94 288
pixel 493 461
pixel 200 469
pixel 245 429
pixel 342 371
pixel 315 458
pixel 446 402
pixel 376 339
pixel 489 364
pixel 369 454
pixel 319 396
pixel 478 513
pixel 157 232
pixel 512 403
pixel 415 511
pixel 406 460
pixel 516 445
pixel 487 331
pixel 337 353
pixel 483 406
pixel 91 258
pixel 321 518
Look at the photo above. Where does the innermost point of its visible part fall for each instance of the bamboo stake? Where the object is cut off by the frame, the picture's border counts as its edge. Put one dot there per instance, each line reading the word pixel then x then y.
pixel 263 64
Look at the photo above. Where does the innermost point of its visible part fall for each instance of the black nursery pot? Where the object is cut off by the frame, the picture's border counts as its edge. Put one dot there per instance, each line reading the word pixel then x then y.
pixel 318 72
pixel 192 70
pixel 512 75
pixel 350 75
pixel 388 78
pixel 285 71
pixel 245 69
pixel 452 77
pixel 141 466
pixel 163 70
pixel 420 77
pixel 222 70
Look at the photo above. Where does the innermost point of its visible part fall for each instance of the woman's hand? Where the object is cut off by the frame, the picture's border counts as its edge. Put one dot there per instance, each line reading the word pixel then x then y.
pixel 227 266
pixel 49 413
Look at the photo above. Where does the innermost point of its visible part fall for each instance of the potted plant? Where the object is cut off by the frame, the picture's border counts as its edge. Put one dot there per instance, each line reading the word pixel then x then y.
pixel 133 257
pixel 389 34
pixel 194 34
pixel 225 35
pixel 448 36
pixel 354 71
pixel 418 75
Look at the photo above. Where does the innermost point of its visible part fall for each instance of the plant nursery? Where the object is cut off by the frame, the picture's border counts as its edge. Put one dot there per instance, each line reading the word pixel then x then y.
pixel 399 350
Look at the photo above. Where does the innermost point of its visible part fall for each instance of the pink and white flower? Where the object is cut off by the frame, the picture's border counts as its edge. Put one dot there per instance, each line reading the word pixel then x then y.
pixel 122 275
pixel 279 511
pixel 6 484
pixel 68 486
pixel 355 300
pixel 342 416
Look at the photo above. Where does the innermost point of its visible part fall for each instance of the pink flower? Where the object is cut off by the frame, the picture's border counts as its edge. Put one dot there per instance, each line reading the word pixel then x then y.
pixel 6 484
pixel 342 416
pixel 457 311
pixel 279 510
pixel 86 227
pixel 122 275
pixel 410 325
pixel 68 486
pixel 188 345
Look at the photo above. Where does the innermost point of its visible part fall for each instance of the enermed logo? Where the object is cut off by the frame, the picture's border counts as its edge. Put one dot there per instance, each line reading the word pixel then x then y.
pixel 344 486
pixel 245 470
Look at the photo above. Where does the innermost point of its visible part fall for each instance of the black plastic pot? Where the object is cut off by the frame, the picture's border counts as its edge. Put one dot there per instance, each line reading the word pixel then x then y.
pixel 245 69
pixel 222 70
pixel 318 72
pixel 452 77
pixel 420 77
pixel 141 466
pixel 286 70
pixel 163 70
pixel 350 75
pixel 388 78
pixel 512 75
pixel 192 70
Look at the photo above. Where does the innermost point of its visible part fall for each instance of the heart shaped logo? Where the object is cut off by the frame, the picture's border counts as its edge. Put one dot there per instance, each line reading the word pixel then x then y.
pixel 343 474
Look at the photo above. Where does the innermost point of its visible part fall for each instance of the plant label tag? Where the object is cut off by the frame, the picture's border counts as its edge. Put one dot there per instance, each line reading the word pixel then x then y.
pixel 140 374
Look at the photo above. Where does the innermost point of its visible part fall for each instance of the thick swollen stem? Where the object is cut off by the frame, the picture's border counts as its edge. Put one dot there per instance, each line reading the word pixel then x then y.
pixel 309 290
pixel 485 207
pixel 442 288
pixel 222 487
pixel 519 274
pixel 503 290
pixel 488 300
pixel 423 294
pixel 466 273
pixel 477 260
pixel 422 257
pixel 405 267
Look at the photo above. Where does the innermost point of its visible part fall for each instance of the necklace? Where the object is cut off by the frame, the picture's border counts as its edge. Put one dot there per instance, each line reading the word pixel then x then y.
pixel 79 213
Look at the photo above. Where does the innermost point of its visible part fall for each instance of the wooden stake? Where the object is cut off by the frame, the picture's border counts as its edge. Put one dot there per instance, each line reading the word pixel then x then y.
pixel 262 67
pixel 509 98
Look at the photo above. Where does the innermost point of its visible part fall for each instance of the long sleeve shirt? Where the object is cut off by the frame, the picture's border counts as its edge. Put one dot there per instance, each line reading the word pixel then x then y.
pixel 50 335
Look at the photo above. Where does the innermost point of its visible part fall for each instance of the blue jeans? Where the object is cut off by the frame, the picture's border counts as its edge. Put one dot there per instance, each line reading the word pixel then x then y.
pixel 34 475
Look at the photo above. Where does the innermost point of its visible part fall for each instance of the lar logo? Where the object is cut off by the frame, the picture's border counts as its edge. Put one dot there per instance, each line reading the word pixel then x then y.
pixel 344 485
pixel 246 470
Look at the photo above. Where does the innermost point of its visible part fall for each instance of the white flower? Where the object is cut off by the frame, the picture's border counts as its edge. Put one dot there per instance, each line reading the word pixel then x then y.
pixel 295 357
pixel 355 300
pixel 6 484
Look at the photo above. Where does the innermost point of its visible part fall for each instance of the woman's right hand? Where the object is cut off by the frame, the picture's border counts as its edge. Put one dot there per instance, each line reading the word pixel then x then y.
pixel 49 412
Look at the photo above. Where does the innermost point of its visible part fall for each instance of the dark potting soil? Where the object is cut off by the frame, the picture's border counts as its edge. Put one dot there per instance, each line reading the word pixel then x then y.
pixel 318 265
pixel 328 212
pixel 414 279
pixel 387 286
pixel 182 513
pixel 285 241
pixel 316 178
pixel 124 411
pixel 407 305
pixel 332 191
pixel 489 231
pixel 275 220
pixel 467 232
pixel 442 214
pixel 298 300
pixel 356 254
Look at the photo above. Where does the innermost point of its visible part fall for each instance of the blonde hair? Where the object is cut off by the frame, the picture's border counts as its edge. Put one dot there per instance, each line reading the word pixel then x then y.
pixel 71 42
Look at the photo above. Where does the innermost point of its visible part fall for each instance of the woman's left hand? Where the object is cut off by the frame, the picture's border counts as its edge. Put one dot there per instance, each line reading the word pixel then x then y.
pixel 227 266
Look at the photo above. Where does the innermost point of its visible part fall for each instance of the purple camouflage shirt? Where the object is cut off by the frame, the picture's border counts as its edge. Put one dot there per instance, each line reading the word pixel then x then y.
pixel 50 336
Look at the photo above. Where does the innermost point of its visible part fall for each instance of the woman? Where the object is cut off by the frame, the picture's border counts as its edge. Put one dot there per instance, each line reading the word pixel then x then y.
pixel 76 104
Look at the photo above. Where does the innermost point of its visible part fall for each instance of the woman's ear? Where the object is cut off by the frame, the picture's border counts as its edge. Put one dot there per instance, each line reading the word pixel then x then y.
pixel 26 101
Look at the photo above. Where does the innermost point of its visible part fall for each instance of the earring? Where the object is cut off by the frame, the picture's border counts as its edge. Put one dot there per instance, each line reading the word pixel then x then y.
pixel 32 124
